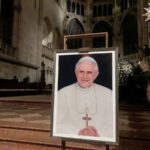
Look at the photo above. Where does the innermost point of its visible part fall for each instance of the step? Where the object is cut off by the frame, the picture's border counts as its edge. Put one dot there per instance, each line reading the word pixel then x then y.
pixel 43 99
pixel 34 136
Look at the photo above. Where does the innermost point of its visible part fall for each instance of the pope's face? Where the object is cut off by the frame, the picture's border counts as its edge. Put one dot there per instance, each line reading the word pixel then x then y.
pixel 86 74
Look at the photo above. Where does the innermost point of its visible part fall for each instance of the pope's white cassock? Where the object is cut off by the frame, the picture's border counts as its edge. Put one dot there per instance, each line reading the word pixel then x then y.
pixel 73 104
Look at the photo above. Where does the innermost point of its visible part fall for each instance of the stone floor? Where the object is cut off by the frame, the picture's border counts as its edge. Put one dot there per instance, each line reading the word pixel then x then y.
pixel 26 120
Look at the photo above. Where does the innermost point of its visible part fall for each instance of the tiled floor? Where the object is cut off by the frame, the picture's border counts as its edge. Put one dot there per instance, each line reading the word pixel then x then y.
pixel 134 120
pixel 25 112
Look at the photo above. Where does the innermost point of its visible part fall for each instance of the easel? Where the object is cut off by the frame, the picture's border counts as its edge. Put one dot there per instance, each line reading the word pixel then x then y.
pixel 86 36
pixel 84 49
pixel 63 145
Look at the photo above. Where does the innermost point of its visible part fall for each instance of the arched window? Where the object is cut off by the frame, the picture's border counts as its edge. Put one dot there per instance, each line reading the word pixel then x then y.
pixel 7 14
pixel 124 4
pixel 82 10
pixel 100 41
pixel 73 7
pixel 105 10
pixel 68 6
pixel 110 9
pixel 100 10
pixel 94 11
pixel 130 34
pixel 78 9
pixel 74 27
pixel 6 27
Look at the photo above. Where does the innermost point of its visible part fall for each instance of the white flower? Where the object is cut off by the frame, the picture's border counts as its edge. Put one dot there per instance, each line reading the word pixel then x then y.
pixel 147 14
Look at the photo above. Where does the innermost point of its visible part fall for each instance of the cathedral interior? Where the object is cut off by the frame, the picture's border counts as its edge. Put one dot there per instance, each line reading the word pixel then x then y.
pixel 32 31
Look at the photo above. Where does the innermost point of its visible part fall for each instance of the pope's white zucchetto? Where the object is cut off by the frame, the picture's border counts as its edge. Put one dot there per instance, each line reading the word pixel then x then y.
pixel 87 59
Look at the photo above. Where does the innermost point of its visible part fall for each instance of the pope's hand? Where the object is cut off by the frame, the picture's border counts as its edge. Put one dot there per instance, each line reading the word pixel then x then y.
pixel 89 131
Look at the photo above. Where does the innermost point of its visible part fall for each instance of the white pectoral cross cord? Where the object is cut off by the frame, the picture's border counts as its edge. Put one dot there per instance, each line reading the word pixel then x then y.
pixel 83 103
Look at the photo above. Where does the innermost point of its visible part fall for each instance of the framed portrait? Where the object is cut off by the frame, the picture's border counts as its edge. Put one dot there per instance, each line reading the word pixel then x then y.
pixel 85 103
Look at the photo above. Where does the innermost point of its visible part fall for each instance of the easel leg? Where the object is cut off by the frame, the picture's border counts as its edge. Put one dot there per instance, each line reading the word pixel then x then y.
pixel 63 145
pixel 107 147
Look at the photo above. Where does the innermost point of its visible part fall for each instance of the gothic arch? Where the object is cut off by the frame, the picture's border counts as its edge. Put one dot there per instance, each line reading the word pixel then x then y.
pixel 69 19
pixel 129 30
pixel 128 13
pixel 131 13
pixel 74 27
pixel 103 26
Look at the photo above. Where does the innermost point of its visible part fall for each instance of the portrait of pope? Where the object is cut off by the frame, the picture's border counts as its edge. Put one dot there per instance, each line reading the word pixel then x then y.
pixel 85 107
